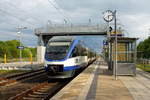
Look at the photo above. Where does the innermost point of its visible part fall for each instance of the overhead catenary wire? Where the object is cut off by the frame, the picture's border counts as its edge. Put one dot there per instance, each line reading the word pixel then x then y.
pixel 60 12
pixel 16 17
pixel 61 8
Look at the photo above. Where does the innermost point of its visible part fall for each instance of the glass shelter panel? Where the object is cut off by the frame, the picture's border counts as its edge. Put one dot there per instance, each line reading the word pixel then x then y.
pixel 125 52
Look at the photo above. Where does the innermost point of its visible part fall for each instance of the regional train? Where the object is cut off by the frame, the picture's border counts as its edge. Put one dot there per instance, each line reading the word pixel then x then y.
pixel 64 56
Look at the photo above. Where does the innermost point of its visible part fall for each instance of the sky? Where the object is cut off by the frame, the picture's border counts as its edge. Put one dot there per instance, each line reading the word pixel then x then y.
pixel 133 16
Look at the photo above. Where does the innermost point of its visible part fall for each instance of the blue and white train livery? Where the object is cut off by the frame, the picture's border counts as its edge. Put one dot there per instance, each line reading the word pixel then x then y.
pixel 64 56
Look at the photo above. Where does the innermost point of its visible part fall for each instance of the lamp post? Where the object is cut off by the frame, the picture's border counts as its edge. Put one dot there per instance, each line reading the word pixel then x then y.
pixel 108 17
pixel 149 32
pixel 19 29
pixel 116 51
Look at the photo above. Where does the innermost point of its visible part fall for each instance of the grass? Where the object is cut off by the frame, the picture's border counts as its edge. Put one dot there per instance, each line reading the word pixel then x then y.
pixel 144 67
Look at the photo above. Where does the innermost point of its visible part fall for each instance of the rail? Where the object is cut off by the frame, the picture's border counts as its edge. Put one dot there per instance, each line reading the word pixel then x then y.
pixel 19 77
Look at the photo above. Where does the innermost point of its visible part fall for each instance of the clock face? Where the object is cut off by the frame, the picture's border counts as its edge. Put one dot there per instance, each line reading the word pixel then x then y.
pixel 108 16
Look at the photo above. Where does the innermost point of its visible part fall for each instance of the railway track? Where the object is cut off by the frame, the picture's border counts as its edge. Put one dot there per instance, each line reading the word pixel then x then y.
pixel 43 91
pixel 19 77
pixel 40 89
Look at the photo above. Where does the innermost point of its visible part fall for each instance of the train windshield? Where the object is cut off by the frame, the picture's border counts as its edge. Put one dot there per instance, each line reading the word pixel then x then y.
pixel 57 50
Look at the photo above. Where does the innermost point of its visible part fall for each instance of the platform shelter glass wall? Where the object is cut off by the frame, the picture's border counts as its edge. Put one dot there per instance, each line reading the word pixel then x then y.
pixel 126 56
pixel 125 52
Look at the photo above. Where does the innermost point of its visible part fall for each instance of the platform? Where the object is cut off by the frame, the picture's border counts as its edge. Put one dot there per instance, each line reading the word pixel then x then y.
pixel 97 83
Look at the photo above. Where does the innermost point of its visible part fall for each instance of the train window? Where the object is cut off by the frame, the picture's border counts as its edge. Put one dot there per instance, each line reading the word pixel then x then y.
pixel 84 52
pixel 57 50
pixel 78 50
pixel 81 50
pixel 75 52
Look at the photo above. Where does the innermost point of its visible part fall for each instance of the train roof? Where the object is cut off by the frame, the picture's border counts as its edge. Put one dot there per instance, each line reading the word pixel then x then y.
pixel 63 38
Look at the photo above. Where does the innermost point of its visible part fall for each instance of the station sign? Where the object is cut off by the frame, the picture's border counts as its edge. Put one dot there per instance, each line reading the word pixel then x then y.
pixel 20 47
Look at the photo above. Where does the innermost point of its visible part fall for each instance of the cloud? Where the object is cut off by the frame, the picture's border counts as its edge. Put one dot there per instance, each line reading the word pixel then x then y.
pixel 133 15
pixel 96 42
pixel 27 37
pixel 137 24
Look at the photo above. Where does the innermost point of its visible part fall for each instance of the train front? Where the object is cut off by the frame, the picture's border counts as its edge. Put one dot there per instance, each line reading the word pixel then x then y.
pixel 56 58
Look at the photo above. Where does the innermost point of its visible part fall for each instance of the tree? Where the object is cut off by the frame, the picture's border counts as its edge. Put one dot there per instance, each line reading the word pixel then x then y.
pixel 33 51
pixel 10 48
pixel 144 49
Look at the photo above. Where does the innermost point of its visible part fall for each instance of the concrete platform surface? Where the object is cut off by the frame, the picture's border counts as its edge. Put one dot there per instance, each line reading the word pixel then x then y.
pixel 107 88
pixel 138 86
pixel 97 83
pixel 78 88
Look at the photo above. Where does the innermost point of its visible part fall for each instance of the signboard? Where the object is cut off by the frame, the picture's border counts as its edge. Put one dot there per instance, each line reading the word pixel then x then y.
pixel 20 47
pixel 118 32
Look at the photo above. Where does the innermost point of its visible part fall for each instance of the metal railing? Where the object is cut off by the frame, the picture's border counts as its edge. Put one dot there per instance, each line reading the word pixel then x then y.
pixel 143 61
pixel 71 28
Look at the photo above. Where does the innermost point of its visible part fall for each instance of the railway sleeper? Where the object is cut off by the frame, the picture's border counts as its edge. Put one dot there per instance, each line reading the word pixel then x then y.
pixel 7 82
pixel 41 93
pixel 36 96
pixel 30 91
pixel 44 91
pixel 31 98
